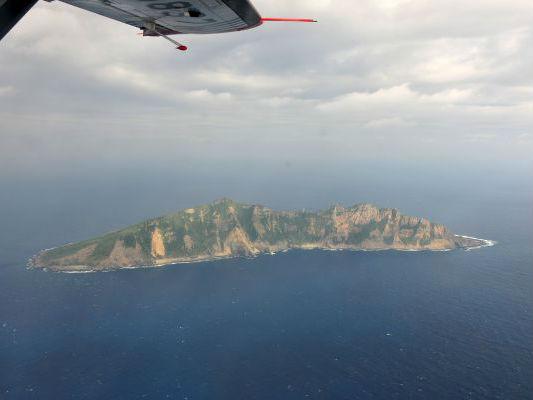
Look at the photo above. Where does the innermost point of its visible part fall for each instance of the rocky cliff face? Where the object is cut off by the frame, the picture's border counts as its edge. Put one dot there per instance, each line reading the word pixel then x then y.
pixel 228 229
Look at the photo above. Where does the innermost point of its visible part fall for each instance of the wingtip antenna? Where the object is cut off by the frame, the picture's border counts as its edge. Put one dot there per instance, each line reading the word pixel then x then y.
pixel 288 20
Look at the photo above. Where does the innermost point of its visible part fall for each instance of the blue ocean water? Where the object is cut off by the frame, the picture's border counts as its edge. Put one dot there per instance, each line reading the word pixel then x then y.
pixel 296 325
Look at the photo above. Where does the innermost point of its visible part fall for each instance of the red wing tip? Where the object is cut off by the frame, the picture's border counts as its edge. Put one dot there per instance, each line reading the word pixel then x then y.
pixel 182 47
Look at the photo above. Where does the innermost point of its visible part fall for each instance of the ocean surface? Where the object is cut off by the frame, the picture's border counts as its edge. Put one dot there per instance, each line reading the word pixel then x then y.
pixel 296 325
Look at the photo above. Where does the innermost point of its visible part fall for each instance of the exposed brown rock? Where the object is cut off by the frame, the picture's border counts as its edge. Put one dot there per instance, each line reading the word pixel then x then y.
pixel 229 229
pixel 158 247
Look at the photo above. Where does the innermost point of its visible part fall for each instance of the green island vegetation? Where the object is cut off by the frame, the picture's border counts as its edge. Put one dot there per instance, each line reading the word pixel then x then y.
pixel 226 228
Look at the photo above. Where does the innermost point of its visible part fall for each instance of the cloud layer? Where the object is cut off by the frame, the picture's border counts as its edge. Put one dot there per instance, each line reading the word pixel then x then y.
pixel 382 78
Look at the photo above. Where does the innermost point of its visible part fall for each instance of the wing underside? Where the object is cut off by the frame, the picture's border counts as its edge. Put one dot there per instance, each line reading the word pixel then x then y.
pixel 171 16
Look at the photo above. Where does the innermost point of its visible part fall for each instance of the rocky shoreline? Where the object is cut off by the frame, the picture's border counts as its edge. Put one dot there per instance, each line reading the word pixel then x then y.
pixel 473 244
pixel 227 229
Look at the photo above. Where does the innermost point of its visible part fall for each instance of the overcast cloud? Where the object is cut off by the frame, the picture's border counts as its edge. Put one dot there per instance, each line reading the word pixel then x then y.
pixel 383 78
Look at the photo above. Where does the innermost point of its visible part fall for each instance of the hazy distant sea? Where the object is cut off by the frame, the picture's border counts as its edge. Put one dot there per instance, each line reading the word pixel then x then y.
pixel 297 325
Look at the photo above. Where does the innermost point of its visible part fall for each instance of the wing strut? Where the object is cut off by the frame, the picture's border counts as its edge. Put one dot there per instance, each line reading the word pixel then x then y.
pixel 152 27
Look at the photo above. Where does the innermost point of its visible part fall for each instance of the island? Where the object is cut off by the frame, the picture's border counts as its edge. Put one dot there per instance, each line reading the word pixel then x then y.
pixel 226 228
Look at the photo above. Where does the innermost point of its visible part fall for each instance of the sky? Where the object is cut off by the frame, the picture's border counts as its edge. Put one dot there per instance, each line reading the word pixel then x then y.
pixel 377 80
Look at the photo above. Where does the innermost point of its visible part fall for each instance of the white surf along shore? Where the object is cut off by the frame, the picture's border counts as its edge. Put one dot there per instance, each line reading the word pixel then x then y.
pixel 486 242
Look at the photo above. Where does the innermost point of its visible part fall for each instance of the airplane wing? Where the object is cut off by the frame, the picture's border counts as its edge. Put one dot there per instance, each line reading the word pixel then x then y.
pixel 159 17
pixel 171 16
pixel 11 11
pixel 154 17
